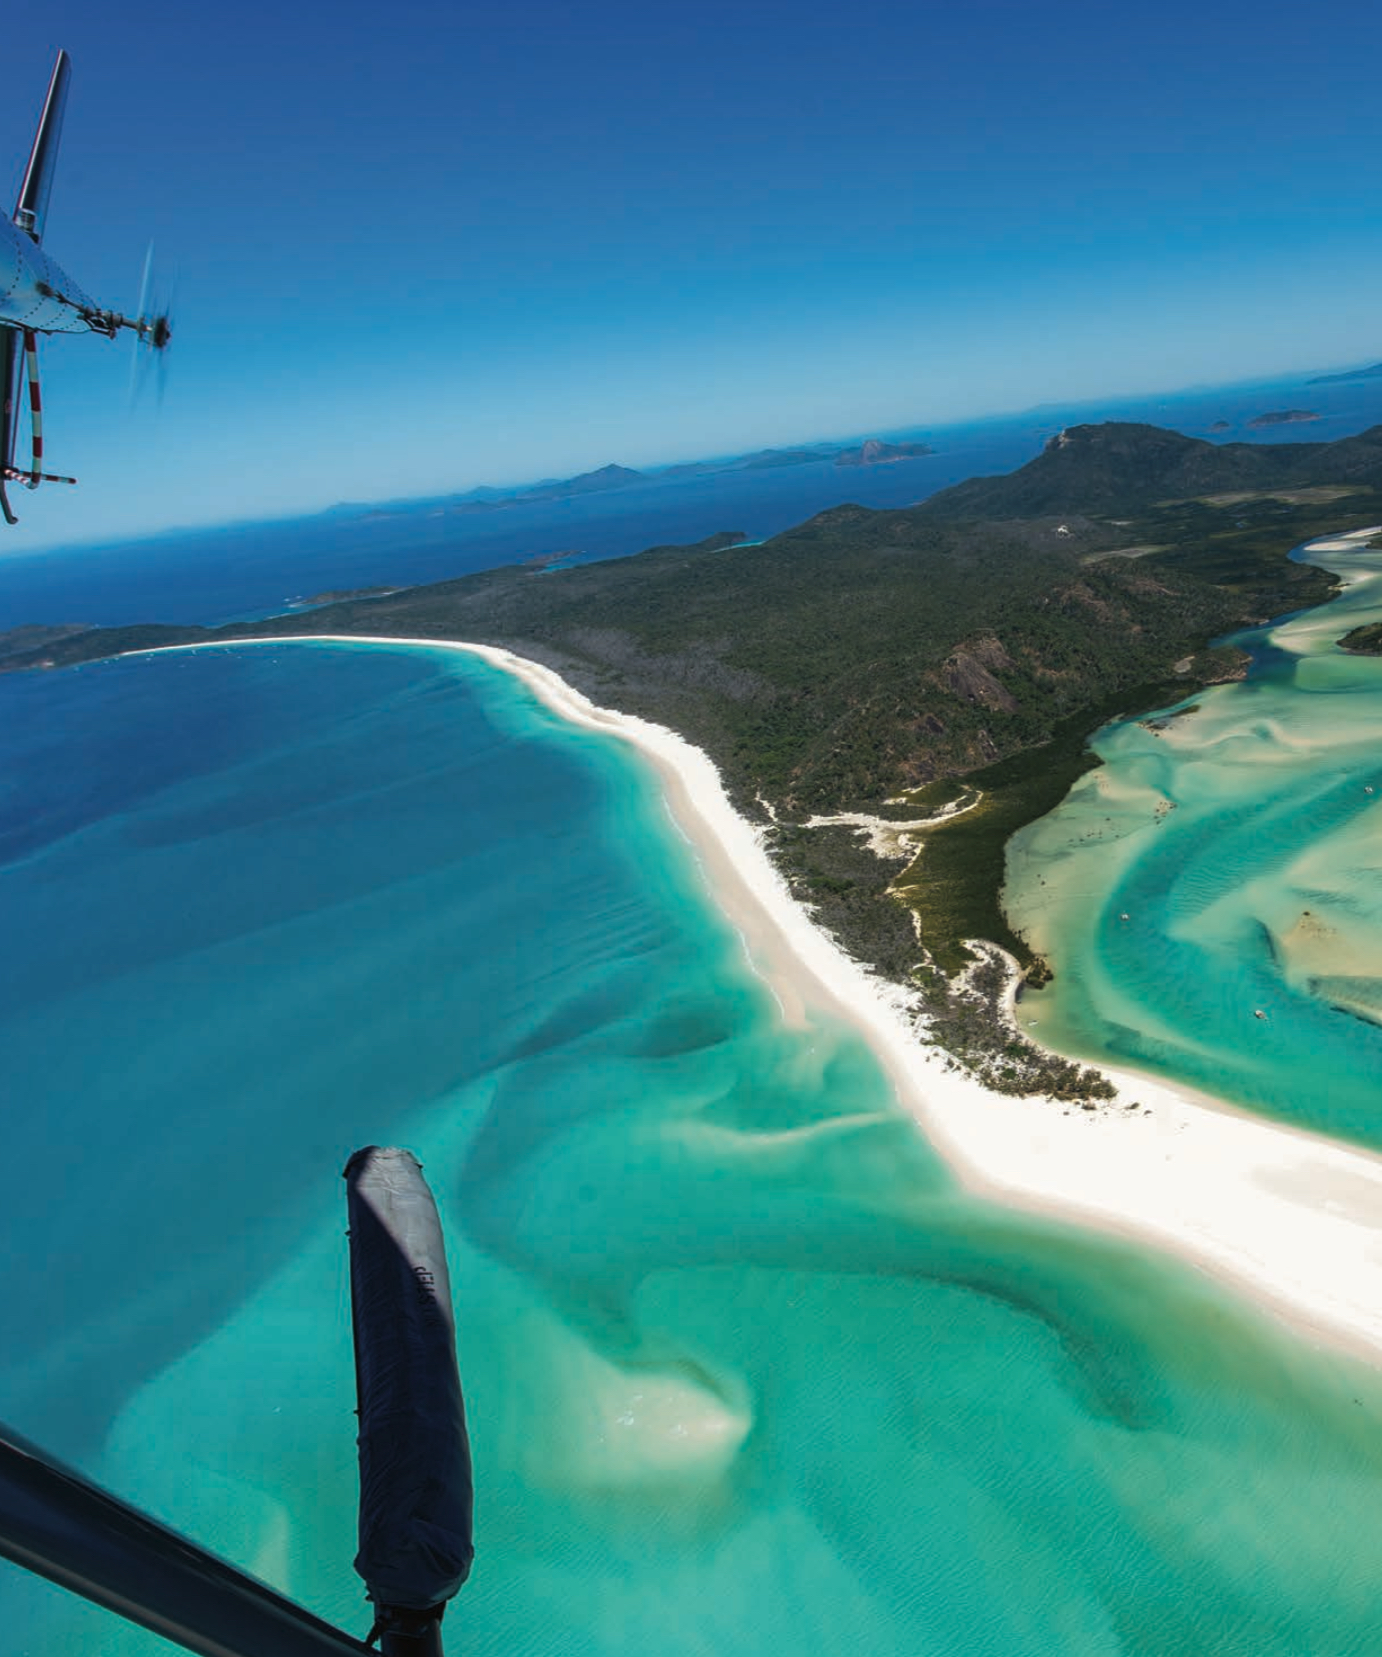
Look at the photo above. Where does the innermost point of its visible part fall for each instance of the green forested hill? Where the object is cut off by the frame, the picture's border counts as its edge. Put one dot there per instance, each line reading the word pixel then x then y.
pixel 1120 467
pixel 858 655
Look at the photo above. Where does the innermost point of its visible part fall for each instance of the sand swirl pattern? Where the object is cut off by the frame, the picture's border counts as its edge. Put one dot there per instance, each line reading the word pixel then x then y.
pixel 1211 897
pixel 744 1364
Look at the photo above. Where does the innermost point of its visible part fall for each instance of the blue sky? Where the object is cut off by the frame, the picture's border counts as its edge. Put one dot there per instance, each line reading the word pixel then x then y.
pixel 421 247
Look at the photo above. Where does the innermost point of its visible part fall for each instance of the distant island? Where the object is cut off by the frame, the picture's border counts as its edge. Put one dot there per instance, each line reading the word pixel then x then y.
pixel 1220 426
pixel 769 459
pixel 554 489
pixel 586 483
pixel 873 451
pixel 1282 417
pixel 1371 372
pixel 876 453
pixel 898 663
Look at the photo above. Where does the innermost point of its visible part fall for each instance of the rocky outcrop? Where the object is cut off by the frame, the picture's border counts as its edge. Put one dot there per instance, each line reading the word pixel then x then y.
pixel 969 673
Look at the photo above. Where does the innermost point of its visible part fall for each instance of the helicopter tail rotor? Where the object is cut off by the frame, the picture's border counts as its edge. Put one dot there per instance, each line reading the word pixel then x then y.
pixel 152 326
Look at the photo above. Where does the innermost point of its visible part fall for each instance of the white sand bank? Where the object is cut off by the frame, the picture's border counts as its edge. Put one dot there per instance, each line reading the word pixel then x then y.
pixel 1290 1217
pixel 1354 541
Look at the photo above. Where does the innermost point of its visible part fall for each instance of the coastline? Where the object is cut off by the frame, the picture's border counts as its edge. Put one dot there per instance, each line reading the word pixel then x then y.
pixel 1290 1218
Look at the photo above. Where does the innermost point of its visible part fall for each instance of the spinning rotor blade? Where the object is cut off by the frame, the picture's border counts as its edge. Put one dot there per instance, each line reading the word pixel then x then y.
pixel 154 331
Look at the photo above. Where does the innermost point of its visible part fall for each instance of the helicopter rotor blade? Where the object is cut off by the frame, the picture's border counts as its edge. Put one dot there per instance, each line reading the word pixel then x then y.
pixel 161 336
pixel 153 333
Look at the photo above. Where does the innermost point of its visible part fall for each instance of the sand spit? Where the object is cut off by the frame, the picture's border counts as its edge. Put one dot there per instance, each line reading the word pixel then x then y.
pixel 1355 540
pixel 1291 1218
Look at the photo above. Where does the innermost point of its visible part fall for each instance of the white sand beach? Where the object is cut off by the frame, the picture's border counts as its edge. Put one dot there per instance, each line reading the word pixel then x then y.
pixel 1291 1218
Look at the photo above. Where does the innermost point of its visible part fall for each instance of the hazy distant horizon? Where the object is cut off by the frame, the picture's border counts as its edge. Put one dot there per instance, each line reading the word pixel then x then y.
pixel 654 462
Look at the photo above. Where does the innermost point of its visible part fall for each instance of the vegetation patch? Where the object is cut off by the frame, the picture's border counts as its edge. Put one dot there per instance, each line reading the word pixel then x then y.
pixel 1364 641
pixel 971 1019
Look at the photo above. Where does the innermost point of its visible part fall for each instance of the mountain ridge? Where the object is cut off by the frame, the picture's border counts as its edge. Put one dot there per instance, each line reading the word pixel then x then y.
pixel 1125 465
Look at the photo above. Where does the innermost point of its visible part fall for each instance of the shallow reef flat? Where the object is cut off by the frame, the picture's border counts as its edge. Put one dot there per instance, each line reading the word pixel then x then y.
pixel 1211 896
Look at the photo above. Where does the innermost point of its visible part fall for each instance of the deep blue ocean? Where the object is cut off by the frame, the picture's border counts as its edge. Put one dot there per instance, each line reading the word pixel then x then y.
pixel 742 1364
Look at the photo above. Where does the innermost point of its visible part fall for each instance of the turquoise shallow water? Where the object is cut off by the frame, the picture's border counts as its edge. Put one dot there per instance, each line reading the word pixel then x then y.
pixel 1226 861
pixel 742 1365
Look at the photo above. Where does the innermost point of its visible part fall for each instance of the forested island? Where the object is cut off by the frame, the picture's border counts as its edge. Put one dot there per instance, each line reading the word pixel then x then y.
pixel 878 453
pixel 1364 641
pixel 1282 417
pixel 1371 372
pixel 899 663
